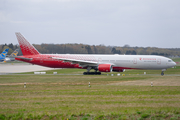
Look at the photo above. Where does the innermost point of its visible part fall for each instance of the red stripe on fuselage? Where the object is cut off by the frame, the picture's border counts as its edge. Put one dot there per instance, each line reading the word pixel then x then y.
pixel 45 60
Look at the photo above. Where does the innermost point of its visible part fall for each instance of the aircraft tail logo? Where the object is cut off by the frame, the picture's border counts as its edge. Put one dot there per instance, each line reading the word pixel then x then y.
pixel 15 53
pixel 26 47
pixel 4 53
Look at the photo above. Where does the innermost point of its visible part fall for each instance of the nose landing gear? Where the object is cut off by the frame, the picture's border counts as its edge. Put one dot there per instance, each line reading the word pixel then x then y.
pixel 162 73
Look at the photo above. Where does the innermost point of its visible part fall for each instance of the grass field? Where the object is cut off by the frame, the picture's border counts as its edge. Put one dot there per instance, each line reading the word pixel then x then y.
pixel 109 97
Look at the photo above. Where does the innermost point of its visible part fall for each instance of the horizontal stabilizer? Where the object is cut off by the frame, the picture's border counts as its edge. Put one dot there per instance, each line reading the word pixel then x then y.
pixel 24 58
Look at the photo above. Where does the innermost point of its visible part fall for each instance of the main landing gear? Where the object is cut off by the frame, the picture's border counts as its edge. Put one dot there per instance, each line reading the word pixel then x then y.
pixel 91 73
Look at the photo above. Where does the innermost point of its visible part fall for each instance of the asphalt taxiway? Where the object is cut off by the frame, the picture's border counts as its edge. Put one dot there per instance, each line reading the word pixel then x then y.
pixel 6 68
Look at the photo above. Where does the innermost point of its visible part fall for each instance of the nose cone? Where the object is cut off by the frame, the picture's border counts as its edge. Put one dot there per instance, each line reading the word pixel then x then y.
pixel 171 63
pixel 174 64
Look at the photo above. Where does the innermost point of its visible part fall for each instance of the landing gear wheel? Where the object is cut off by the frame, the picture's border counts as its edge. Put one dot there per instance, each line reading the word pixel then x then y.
pixel 162 73
pixel 92 73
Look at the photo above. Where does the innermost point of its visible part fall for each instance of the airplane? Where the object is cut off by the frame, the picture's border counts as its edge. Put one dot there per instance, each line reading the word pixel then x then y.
pixel 12 56
pixel 100 63
pixel 3 55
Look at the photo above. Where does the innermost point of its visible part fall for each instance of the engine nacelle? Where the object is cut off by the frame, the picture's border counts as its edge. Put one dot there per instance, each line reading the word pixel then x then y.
pixel 117 69
pixel 7 60
pixel 105 68
pixel 120 70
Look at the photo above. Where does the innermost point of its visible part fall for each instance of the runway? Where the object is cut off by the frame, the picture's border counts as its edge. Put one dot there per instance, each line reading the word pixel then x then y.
pixel 6 68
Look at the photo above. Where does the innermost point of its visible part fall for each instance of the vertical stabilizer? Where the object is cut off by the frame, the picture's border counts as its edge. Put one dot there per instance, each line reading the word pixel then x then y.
pixel 4 53
pixel 15 53
pixel 26 47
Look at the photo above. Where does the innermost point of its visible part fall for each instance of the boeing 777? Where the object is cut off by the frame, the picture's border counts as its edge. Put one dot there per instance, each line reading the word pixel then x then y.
pixel 3 55
pixel 101 63
pixel 12 56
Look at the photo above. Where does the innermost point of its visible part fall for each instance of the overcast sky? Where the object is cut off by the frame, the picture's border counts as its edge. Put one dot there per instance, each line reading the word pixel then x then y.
pixel 142 23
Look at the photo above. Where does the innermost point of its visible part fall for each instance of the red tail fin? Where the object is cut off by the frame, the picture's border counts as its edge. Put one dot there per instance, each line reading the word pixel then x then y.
pixel 26 47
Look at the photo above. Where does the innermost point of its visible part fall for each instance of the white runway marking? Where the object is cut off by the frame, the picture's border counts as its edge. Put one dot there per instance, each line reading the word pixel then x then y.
pixel 20 67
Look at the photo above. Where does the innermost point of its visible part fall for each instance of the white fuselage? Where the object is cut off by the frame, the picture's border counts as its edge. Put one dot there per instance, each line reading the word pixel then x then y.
pixel 125 61
pixel 9 59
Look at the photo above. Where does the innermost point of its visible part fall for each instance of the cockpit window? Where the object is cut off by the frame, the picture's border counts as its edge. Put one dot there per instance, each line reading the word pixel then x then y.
pixel 169 60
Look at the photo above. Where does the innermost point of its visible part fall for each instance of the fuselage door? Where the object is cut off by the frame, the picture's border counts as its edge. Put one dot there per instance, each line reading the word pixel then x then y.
pixel 159 61
pixel 135 61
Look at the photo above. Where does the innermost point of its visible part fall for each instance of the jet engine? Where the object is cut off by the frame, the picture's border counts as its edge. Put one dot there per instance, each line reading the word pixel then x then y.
pixel 105 68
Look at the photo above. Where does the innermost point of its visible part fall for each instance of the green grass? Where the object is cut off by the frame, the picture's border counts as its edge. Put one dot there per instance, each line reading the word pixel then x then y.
pixel 46 100
pixel 68 80
pixel 175 70
pixel 176 59
pixel 68 96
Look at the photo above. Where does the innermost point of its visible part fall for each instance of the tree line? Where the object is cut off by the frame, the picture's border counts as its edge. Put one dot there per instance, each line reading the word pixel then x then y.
pixel 95 49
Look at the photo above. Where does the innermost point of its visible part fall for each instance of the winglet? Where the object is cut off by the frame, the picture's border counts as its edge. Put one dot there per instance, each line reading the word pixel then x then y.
pixel 26 47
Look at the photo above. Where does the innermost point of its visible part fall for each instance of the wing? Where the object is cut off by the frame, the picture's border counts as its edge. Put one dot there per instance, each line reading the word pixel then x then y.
pixel 82 63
